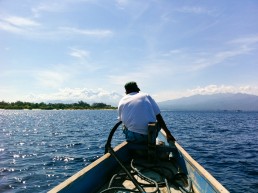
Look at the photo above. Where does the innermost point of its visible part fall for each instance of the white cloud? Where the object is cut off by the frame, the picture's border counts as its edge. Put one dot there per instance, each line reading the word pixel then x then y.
pixel 79 53
pixel 64 74
pixel 122 79
pixel 95 33
pixel 212 89
pixel 206 90
pixel 194 10
pixel 121 3
pixel 47 7
pixel 213 59
pixel 18 25
pixel 20 21
pixel 77 94
pixel 145 72
pixel 193 61
pixel 249 40
pixel 54 6
pixel 209 59
pixel 51 79
pixel 82 63
pixel 172 52
pixel 33 29
pixel 8 27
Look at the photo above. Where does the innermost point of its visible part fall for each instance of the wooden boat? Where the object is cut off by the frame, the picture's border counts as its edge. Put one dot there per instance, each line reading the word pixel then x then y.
pixel 131 167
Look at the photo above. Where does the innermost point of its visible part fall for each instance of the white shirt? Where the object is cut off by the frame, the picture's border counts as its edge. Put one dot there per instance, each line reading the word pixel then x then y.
pixel 136 110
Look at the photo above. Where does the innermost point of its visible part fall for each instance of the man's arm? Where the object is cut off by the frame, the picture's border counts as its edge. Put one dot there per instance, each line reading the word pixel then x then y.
pixel 164 127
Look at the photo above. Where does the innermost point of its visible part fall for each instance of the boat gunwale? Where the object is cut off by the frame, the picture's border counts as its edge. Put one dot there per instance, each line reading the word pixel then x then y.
pixel 200 169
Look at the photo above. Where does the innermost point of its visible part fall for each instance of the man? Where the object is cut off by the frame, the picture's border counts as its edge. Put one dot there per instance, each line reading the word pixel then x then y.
pixel 136 110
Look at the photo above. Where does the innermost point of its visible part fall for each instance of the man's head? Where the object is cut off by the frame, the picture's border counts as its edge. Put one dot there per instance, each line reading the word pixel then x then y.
pixel 131 87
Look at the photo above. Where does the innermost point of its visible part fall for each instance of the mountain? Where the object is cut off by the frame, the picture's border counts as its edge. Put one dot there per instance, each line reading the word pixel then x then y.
pixel 228 101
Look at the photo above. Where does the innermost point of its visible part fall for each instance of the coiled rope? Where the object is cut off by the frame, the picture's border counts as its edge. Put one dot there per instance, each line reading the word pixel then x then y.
pixel 135 172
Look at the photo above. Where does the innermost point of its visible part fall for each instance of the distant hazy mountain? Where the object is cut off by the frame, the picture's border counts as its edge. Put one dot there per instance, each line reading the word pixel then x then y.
pixel 244 102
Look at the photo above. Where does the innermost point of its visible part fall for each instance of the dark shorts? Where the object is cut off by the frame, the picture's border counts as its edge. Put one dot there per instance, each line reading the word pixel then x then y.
pixel 133 137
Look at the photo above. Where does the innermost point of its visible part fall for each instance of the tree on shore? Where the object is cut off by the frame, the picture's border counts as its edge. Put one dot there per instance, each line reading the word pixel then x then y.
pixel 50 106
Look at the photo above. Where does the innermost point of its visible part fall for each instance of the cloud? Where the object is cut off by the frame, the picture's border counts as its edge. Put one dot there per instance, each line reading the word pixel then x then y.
pixel 51 79
pixel 249 40
pixel 86 32
pixel 73 72
pixel 79 53
pixel 143 73
pixel 121 3
pixel 20 21
pixel 247 43
pixel 181 60
pixel 47 7
pixel 213 89
pixel 206 90
pixel 8 27
pixel 33 29
pixel 238 47
pixel 194 10
pixel 172 52
pixel 54 6
pixel 217 58
pixel 133 76
pixel 77 94
pixel 82 62
pixel 147 73
pixel 16 24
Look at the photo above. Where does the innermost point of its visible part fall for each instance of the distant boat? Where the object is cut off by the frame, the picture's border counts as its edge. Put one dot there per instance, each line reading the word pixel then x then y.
pixel 161 167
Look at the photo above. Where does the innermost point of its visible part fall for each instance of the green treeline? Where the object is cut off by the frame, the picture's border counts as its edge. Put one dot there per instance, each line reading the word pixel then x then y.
pixel 50 106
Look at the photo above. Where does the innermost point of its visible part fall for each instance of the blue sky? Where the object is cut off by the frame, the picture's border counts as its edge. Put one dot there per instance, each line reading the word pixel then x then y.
pixel 88 49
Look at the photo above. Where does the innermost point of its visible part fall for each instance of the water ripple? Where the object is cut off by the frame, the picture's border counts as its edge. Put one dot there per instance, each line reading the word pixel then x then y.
pixel 40 149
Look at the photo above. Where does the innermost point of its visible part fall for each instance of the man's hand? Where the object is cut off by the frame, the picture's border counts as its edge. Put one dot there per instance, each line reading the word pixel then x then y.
pixel 164 127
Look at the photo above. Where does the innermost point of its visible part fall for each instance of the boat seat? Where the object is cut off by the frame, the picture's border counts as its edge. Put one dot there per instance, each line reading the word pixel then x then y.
pixel 151 151
pixel 152 134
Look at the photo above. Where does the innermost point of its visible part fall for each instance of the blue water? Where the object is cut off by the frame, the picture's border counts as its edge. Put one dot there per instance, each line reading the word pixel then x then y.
pixel 40 149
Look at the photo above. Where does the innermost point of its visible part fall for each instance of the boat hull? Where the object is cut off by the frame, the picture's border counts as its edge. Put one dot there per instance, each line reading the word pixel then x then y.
pixel 93 177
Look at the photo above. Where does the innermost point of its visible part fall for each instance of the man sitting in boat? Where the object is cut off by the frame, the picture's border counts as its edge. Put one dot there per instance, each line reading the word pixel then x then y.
pixel 136 110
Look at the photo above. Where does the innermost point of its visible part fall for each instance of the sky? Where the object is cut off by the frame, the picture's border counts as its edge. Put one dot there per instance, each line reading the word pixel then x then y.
pixel 73 50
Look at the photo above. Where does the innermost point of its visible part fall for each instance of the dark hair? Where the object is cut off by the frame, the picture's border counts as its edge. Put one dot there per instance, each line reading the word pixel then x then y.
pixel 131 87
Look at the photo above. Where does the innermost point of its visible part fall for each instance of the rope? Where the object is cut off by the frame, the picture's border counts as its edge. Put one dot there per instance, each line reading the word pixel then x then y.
pixel 135 172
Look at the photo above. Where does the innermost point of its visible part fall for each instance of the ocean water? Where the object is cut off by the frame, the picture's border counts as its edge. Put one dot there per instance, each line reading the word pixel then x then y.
pixel 40 149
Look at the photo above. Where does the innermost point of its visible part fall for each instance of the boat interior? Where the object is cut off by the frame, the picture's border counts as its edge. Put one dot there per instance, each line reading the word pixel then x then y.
pixel 152 167
pixel 148 170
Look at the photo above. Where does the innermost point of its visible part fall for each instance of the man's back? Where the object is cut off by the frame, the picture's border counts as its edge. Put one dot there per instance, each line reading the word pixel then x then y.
pixel 136 110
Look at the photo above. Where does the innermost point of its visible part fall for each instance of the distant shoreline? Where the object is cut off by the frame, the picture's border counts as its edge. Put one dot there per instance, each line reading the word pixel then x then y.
pixel 211 110
pixel 111 109
pixel 19 105
pixel 162 110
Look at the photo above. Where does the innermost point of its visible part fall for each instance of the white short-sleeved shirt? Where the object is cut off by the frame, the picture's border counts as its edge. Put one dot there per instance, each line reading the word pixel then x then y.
pixel 136 110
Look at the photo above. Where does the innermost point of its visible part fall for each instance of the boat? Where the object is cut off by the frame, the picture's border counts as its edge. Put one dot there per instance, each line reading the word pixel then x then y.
pixel 154 167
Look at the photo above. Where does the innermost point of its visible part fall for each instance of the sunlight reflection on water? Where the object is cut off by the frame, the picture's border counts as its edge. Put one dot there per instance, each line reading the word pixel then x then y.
pixel 40 149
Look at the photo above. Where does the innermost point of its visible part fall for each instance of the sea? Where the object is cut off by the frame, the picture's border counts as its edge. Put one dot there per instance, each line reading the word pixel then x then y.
pixel 41 148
